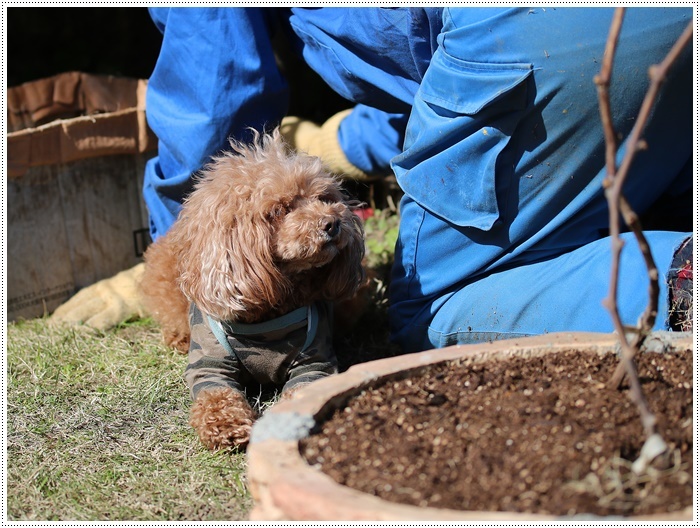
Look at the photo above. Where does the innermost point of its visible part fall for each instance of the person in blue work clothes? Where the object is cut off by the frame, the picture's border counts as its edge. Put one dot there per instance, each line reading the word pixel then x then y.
pixel 488 117
pixel 503 223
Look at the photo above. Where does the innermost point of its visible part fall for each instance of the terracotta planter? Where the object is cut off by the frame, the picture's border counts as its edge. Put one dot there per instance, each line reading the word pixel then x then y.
pixel 285 487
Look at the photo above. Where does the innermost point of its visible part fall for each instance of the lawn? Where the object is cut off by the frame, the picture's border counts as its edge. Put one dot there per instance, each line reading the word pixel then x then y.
pixel 97 430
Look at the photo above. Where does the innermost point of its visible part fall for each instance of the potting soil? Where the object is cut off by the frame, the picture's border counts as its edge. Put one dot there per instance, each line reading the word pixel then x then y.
pixel 541 435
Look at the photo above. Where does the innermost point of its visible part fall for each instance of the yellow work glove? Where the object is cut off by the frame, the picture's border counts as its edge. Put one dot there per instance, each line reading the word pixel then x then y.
pixel 106 303
pixel 322 141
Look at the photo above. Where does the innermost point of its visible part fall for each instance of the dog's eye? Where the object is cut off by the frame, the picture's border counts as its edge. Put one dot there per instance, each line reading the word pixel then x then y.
pixel 278 210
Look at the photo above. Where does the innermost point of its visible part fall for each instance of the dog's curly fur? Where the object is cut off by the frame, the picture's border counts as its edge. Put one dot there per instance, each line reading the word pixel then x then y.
pixel 265 231
pixel 223 418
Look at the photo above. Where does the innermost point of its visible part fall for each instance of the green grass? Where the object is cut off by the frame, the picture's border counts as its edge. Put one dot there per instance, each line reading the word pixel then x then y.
pixel 97 430
pixel 381 232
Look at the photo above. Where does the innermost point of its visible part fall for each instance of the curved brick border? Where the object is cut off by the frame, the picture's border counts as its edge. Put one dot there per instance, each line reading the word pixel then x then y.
pixel 285 487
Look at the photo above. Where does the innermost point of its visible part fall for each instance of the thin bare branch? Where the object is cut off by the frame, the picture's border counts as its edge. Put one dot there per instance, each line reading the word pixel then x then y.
pixel 613 184
pixel 646 321
pixel 657 74
pixel 602 81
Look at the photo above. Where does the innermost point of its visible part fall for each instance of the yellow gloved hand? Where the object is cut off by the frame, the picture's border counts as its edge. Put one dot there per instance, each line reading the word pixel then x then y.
pixel 106 303
pixel 322 141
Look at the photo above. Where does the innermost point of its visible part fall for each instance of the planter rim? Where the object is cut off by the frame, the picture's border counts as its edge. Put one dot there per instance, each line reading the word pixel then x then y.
pixel 285 487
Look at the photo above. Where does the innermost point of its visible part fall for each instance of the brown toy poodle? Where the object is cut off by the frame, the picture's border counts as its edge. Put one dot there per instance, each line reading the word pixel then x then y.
pixel 247 277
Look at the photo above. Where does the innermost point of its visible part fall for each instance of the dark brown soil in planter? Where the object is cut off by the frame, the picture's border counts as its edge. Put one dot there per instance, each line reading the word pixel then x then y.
pixel 542 435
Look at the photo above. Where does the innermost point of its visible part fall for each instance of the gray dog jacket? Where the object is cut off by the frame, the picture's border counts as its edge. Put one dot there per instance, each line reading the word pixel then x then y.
pixel 286 351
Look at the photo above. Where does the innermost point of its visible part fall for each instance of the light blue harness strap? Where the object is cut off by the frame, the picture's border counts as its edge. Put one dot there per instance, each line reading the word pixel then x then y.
pixel 312 327
pixel 218 331
pixel 310 313
pixel 273 325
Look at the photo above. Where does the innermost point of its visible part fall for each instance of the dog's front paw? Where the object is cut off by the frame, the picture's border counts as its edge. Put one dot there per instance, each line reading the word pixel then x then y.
pixel 222 418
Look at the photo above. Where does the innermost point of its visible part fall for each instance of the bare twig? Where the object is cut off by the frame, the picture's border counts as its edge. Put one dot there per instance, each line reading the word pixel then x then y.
pixel 657 74
pixel 647 319
pixel 602 81
pixel 613 184
pixel 613 191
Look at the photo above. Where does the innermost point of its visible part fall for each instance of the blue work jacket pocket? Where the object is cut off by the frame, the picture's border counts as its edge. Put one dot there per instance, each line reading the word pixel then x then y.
pixel 464 116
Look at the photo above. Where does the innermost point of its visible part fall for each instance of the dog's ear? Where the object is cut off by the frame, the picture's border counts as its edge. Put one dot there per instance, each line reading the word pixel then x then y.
pixel 224 259
pixel 230 274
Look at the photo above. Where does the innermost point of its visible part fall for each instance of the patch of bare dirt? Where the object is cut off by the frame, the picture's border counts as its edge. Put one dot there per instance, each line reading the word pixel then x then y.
pixel 543 435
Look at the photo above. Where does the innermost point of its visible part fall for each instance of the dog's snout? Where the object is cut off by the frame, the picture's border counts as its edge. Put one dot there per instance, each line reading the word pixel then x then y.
pixel 332 228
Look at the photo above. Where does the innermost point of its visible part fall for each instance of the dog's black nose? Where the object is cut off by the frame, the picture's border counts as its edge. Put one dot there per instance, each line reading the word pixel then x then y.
pixel 332 228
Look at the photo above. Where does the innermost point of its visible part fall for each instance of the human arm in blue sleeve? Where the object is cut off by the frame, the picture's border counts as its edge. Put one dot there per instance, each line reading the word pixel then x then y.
pixel 370 138
pixel 357 144
pixel 374 57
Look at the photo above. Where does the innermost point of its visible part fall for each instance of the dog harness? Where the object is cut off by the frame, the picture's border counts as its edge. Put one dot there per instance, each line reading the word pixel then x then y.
pixel 286 351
